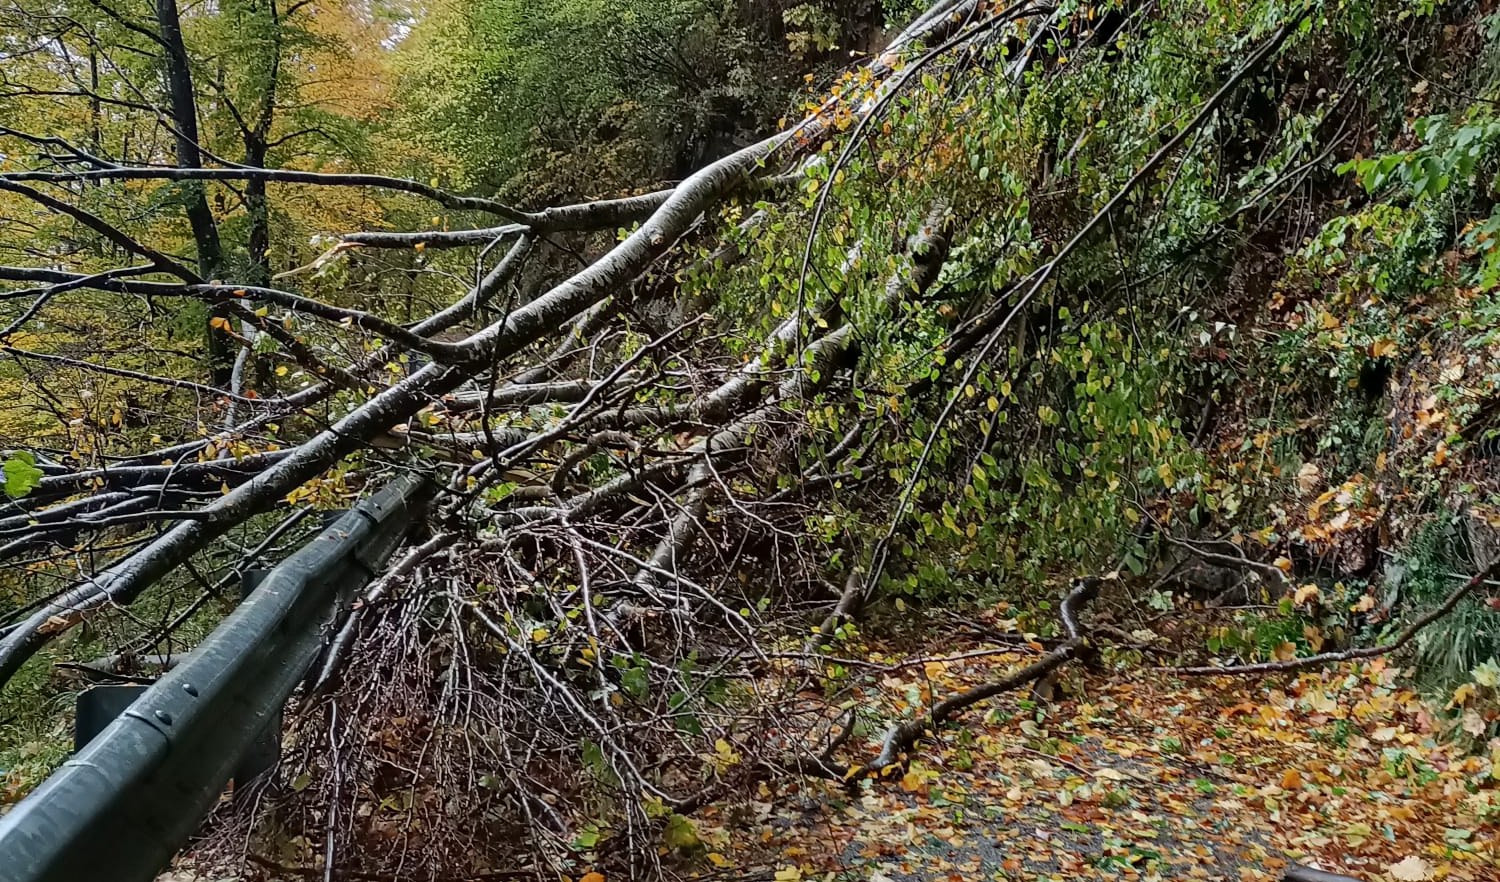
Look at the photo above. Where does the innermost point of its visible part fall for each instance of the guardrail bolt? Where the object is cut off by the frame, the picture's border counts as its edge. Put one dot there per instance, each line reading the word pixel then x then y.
pixel 164 717
pixel 190 689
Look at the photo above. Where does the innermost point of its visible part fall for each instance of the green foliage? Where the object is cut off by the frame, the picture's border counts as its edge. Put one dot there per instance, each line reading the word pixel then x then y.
pixel 35 728
pixel 1449 649
pixel 1084 415
pixel 1262 636
pixel 549 101
pixel 21 474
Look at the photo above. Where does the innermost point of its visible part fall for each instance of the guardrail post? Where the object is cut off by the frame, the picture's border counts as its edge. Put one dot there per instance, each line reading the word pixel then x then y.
pixel 265 751
pixel 97 707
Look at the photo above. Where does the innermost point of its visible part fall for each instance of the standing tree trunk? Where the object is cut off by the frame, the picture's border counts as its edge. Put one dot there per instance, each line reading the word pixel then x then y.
pixel 184 111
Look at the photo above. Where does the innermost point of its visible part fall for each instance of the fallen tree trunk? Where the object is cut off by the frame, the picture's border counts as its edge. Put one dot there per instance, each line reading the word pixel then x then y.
pixel 122 582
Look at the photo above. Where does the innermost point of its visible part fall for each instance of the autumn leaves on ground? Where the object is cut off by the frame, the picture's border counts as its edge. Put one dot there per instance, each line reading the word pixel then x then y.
pixel 1139 776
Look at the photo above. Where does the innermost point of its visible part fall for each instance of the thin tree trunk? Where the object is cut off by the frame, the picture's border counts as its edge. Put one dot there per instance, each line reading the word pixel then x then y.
pixel 184 112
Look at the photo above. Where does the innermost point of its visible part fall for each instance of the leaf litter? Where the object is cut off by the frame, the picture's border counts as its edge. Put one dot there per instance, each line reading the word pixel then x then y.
pixel 1136 776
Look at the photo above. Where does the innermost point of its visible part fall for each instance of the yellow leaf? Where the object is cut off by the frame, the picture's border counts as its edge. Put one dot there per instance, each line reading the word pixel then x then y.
pixel 540 634
pixel 1462 694
pixel 1355 833
pixel 717 859
pixel 1487 674
pixel 1382 348
pixel 592 877
pixel 788 874
pixel 1291 780
pixel 911 782
pixel 1284 564
pixel 1305 594
pixel 1319 701
pixel 993 404
pixel 1286 651
pixel 725 755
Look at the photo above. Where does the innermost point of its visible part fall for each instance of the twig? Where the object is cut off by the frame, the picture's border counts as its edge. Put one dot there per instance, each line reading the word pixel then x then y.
pixel 902 736
pixel 314 872
pixel 1406 636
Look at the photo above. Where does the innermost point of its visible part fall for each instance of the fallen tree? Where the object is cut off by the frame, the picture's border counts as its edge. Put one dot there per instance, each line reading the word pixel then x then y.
pixel 547 313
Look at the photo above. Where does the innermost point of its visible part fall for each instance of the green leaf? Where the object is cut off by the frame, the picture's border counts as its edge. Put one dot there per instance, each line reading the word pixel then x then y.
pixel 21 474
pixel 588 837
pixel 679 833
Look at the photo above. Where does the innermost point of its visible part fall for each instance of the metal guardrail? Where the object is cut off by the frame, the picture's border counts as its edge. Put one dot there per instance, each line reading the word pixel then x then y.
pixel 123 806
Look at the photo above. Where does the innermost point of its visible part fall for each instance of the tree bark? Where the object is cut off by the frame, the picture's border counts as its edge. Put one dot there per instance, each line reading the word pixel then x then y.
pixel 183 106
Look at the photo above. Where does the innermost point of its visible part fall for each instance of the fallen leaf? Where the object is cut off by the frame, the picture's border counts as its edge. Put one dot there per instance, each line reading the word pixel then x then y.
pixel 1411 869
pixel 54 624
pixel 1462 694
